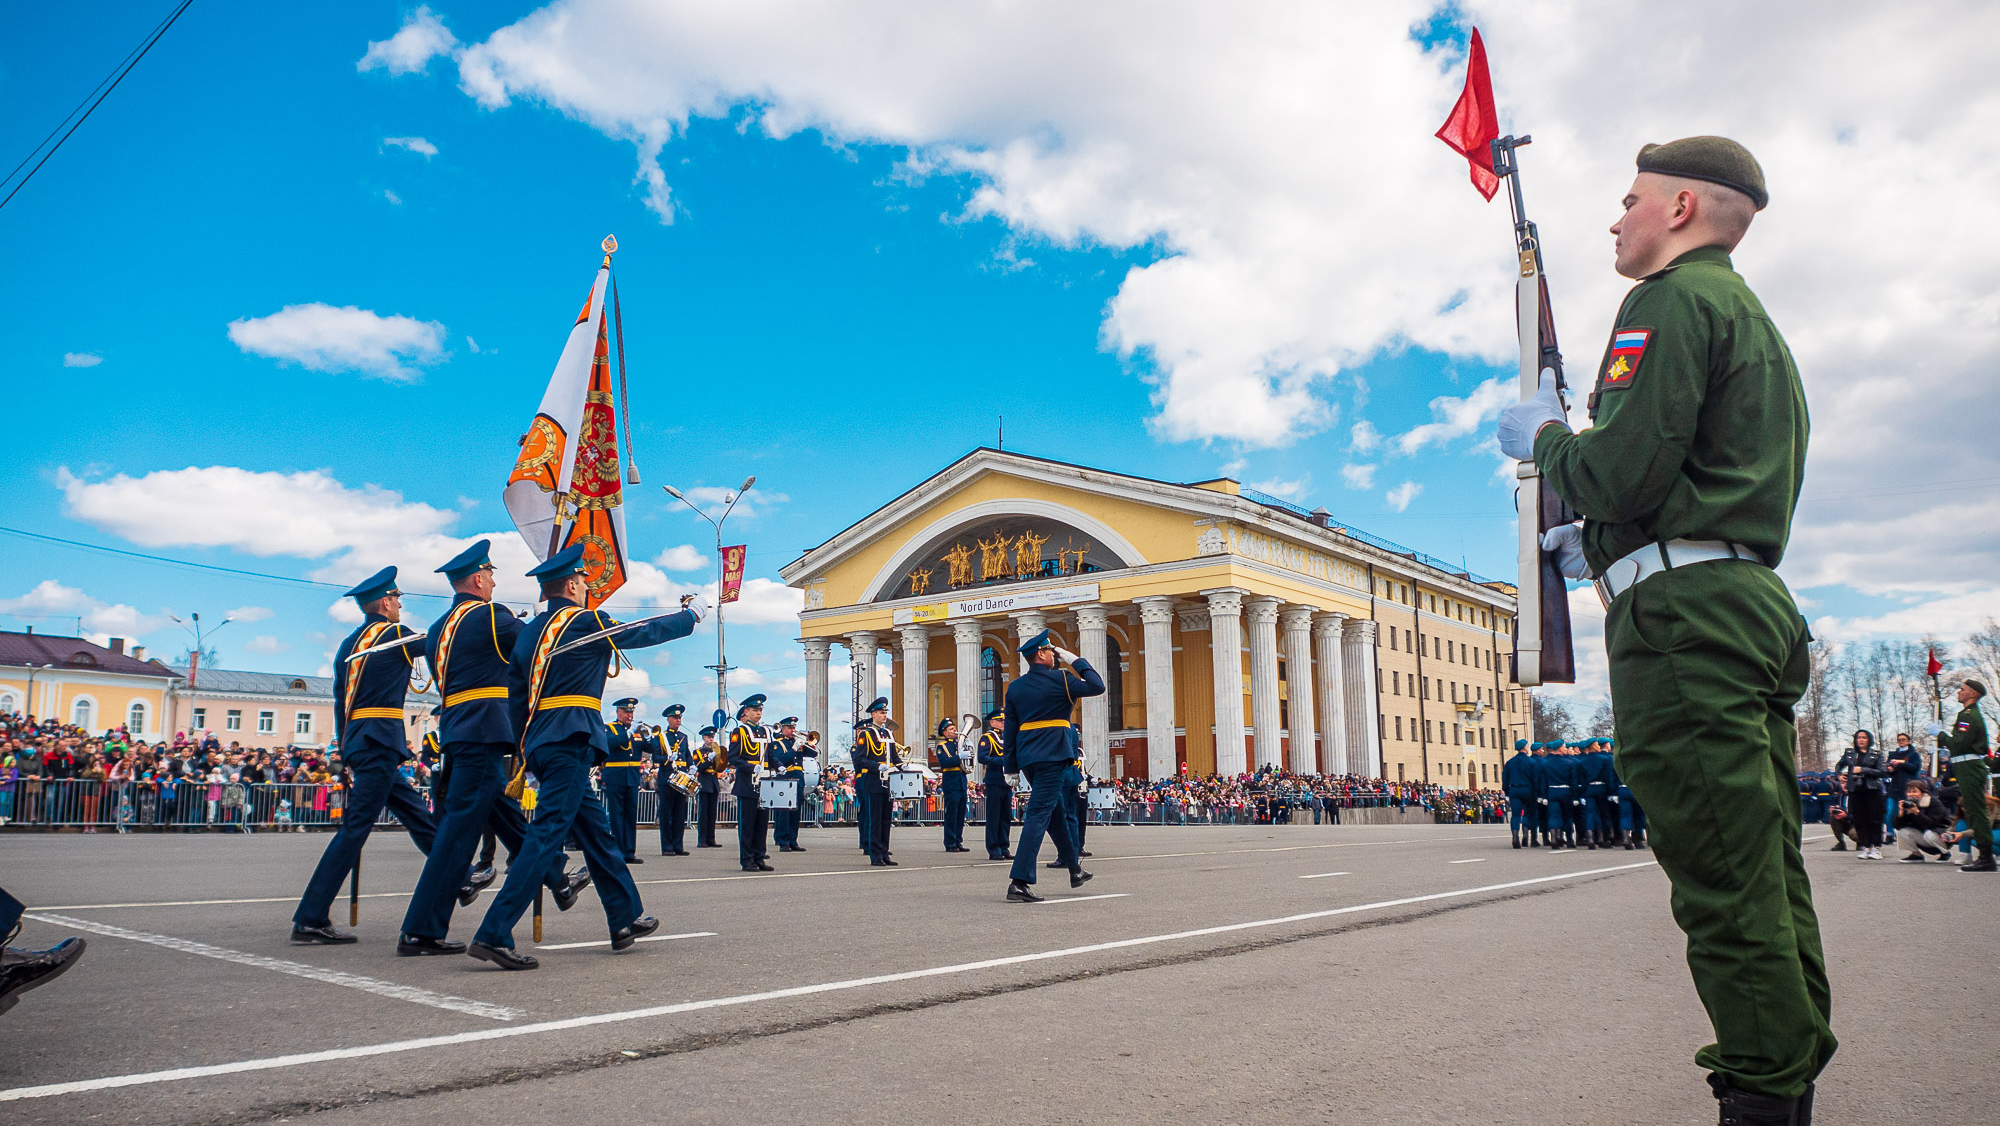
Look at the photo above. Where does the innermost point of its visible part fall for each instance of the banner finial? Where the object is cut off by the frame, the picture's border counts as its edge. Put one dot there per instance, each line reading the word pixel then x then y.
pixel 610 244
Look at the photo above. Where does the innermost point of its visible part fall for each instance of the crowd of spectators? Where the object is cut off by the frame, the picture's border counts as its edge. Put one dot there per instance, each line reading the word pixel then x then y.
pixel 1875 795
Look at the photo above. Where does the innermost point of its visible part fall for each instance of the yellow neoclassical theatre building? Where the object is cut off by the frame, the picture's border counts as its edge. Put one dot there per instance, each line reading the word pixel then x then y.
pixel 1233 630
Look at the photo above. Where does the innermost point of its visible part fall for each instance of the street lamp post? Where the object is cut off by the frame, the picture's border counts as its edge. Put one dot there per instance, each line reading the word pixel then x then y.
pixel 721 665
pixel 194 658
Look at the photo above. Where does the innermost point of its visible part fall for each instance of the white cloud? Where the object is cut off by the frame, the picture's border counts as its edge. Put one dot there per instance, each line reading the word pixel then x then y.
pixel 1363 438
pixel 392 197
pixel 250 613
pixel 1457 418
pixel 1358 476
pixel 416 145
pixel 321 337
pixel 1294 490
pixel 472 344
pixel 81 359
pixel 1399 498
pixel 345 612
pixel 100 620
pixel 422 38
pixel 265 644
pixel 682 557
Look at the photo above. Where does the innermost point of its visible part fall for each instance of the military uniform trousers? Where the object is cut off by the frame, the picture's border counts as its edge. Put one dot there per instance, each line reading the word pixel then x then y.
pixel 1524 815
pixel 864 814
pixel 376 784
pixel 1596 803
pixel 1707 663
pixel 954 810
pixel 506 812
pixel 478 774
pixel 785 822
pixel 876 828
pixel 564 802
pixel 1631 815
pixel 753 827
pixel 1045 816
pixel 1972 782
pixel 621 805
pixel 673 816
pixel 1562 812
pixel 1078 808
pixel 704 819
pixel 999 819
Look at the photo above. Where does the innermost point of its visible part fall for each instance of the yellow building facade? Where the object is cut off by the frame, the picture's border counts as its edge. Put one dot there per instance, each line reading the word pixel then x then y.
pixel 1234 631
pixel 96 687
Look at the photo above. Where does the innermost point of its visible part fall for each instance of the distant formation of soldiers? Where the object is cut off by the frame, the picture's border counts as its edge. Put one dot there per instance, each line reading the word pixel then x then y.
pixel 1569 795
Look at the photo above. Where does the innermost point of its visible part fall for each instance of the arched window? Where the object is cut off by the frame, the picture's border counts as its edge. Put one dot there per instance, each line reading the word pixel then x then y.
pixel 135 717
pixel 990 689
pixel 1114 681
pixel 9 703
pixel 80 712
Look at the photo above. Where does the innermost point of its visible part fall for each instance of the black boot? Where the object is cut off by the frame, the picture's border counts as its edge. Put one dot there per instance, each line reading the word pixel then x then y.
pixel 1984 862
pixel 1631 840
pixel 1748 1108
pixel 1517 839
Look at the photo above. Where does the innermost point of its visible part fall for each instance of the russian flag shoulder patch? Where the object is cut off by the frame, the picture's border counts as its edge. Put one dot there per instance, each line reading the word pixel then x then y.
pixel 1628 347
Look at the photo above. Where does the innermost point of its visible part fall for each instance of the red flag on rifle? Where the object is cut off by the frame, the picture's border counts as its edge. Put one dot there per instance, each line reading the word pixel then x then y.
pixel 1473 124
pixel 1934 667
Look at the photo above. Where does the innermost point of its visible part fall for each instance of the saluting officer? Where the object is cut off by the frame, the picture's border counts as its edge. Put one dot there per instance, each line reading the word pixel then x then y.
pixel 368 695
pixel 673 754
pixel 618 777
pixel 1040 743
pixel 469 649
pixel 950 766
pixel 999 795
pixel 875 752
pixel 708 788
pixel 788 759
pixel 1966 743
pixel 748 745
pixel 555 703
pixel 1687 484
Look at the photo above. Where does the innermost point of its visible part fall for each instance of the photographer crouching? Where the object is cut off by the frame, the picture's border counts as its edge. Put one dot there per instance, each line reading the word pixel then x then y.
pixel 1919 818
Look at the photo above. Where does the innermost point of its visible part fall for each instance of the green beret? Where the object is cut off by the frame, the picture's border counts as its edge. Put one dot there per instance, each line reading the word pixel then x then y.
pixel 1717 160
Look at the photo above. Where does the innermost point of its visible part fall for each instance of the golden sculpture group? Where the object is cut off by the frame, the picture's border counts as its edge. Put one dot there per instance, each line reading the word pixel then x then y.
pixel 994 562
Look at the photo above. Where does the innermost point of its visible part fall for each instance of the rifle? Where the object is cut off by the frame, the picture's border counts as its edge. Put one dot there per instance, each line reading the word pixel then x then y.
pixel 1547 654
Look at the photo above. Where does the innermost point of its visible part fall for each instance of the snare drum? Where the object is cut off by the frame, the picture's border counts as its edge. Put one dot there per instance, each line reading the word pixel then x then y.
pixel 683 781
pixel 778 793
pixel 906 785
pixel 1104 797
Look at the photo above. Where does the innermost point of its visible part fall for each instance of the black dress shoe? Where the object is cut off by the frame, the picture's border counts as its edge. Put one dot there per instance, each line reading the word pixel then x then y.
pixel 416 945
pixel 478 881
pixel 878 863
pixel 958 850
pixel 502 956
pixel 798 848
pixel 763 867
pixel 1078 877
pixel 1007 855
pixel 320 936
pixel 624 937
pixel 1086 852
pixel 889 862
pixel 682 852
pixel 635 860
pixel 1055 864
pixel 1020 892
pixel 22 970
pixel 578 880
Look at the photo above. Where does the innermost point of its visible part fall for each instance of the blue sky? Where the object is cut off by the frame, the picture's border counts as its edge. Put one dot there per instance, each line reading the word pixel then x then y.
pixel 840 295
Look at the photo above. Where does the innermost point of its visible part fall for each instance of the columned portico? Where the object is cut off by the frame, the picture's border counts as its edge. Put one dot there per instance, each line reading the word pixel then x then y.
pixel 913 680
pixel 1225 638
pixel 1090 623
pixel 1265 713
pixel 861 647
pixel 965 664
pixel 817 653
pixel 1331 683
pixel 1156 615
pixel 1357 654
pixel 1299 687
pixel 1027 623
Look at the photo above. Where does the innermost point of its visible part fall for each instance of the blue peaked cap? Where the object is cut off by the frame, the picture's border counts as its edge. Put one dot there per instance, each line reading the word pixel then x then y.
pixel 377 585
pixel 561 565
pixel 1039 641
pixel 467 561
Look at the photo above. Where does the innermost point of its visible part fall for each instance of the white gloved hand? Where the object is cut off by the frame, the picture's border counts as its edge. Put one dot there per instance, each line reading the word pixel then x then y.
pixel 1065 655
pixel 1013 781
pixel 1520 422
pixel 1565 542
pixel 1543 801
pixel 698 606
pixel 1934 728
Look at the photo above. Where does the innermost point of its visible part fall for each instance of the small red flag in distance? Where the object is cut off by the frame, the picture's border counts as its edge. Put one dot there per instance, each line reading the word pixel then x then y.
pixel 1473 124
pixel 1934 667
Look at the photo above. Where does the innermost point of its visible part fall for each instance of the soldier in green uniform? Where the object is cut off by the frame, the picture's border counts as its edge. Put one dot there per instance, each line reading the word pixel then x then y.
pixel 1965 741
pixel 1687 482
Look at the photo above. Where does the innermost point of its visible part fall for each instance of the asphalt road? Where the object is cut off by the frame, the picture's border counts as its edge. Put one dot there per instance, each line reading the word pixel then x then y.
pixel 1392 973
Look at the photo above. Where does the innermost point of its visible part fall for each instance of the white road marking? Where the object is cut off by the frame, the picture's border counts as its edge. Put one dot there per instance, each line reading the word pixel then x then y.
pixel 1087 898
pixel 362 1051
pixel 1474 860
pixel 607 942
pixel 206 902
pixel 1322 875
pixel 296 969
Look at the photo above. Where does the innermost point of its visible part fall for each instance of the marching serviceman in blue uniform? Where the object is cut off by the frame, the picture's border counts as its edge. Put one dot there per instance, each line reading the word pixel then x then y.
pixel 950 766
pixel 618 777
pixel 1517 783
pixel 1040 743
pixel 368 697
pixel 674 756
pixel 875 752
pixel 999 795
pixel 1561 795
pixel 789 760
pixel 748 746
pixel 554 701
pixel 708 788
pixel 469 651
pixel 1599 814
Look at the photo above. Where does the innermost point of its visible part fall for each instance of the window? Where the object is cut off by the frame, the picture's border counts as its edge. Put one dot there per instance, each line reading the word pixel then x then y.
pixel 9 702
pixel 302 724
pixel 1399 729
pixel 200 719
pixel 79 712
pixel 1395 683
pixel 1424 687
pixel 232 720
pixel 1399 772
pixel 135 717
pixel 990 690
pixel 1114 681
pixel 267 723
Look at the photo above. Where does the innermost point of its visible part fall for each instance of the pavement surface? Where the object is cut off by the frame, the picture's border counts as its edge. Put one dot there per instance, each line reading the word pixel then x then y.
pixel 1218 975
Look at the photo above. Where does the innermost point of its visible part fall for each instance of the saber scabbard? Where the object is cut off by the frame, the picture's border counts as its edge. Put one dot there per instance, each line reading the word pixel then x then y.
pixel 538 914
pixel 354 895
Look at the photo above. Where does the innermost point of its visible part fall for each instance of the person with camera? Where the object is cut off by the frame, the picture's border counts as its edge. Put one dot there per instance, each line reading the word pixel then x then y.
pixel 1919 819
pixel 1864 770
pixel 1906 764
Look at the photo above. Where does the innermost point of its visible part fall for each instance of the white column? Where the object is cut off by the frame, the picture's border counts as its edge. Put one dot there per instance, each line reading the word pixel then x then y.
pixel 861 647
pixel 965 659
pixel 913 672
pixel 1364 744
pixel 1157 614
pixel 1299 683
pixel 1264 710
pixel 1328 679
pixel 1096 744
pixel 1027 623
pixel 818 651
pixel 1225 638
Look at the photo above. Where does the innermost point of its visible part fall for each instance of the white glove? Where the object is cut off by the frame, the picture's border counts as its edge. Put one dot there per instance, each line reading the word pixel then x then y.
pixel 1066 656
pixel 1520 422
pixel 1934 728
pixel 1565 542
pixel 698 606
pixel 1013 781
pixel 1544 801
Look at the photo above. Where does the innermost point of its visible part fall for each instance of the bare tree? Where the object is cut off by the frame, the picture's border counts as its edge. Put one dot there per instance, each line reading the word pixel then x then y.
pixel 1602 721
pixel 1549 718
pixel 1812 715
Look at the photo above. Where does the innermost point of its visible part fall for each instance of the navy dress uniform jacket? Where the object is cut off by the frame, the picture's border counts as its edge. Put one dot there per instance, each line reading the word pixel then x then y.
pixel 376 716
pixel 749 750
pixel 1039 703
pixel 573 690
pixel 470 649
pixel 673 754
pixel 1517 775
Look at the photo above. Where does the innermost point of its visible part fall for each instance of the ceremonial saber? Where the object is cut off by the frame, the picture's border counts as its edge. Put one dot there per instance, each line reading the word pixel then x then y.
pixel 617 629
pixel 414 635
pixel 354 895
pixel 538 913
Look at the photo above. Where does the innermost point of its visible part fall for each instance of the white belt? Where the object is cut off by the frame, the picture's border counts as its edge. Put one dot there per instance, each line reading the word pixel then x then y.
pixel 1956 759
pixel 1654 558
